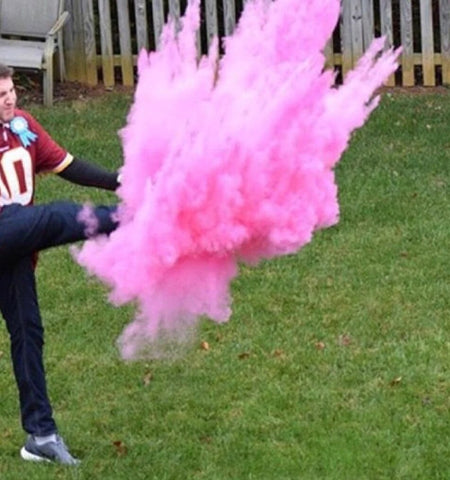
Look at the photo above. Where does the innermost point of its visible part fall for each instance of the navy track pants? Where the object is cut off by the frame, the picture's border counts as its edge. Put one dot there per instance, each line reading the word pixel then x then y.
pixel 25 230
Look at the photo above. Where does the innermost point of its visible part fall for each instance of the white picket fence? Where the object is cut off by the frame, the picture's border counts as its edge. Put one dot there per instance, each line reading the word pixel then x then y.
pixel 103 37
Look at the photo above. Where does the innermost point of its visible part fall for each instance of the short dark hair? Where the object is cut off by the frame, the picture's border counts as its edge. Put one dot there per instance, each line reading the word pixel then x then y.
pixel 5 71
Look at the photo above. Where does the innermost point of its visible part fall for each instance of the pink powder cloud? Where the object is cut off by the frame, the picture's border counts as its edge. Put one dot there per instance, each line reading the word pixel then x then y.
pixel 228 160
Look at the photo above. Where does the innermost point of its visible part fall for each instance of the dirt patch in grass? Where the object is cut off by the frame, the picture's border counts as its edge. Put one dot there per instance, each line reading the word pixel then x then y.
pixel 417 90
pixel 29 89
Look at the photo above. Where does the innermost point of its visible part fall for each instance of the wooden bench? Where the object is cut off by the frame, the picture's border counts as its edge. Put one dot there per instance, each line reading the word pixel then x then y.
pixel 30 34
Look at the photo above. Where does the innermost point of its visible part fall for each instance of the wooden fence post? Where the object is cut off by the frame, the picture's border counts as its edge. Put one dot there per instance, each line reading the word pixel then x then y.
pixel 212 25
pixel 356 30
pixel 229 16
pixel 386 30
pixel 175 12
pixel 73 42
pixel 426 26
pixel 367 23
pixel 90 49
pixel 329 54
pixel 158 20
pixel 104 11
pixel 140 10
pixel 407 59
pixel 79 39
pixel 346 38
pixel 68 41
pixel 445 39
pixel 126 55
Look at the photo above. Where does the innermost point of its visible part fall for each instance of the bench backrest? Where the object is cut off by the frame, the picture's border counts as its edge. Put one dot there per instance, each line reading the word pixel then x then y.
pixel 29 18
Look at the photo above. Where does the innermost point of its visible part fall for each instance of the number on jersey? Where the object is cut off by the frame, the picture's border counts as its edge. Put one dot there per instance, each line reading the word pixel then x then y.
pixel 16 178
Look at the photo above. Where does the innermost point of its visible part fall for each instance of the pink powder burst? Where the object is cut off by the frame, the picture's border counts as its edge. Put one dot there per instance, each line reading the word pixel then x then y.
pixel 228 160
pixel 87 217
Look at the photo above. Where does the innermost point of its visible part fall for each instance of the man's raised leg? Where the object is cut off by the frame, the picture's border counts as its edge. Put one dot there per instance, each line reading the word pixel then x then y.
pixel 25 230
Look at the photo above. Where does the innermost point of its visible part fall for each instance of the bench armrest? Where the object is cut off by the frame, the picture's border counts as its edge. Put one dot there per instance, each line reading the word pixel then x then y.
pixel 50 38
pixel 58 24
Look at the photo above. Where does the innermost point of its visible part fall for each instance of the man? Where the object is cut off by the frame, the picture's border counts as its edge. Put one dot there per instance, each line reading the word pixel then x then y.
pixel 25 150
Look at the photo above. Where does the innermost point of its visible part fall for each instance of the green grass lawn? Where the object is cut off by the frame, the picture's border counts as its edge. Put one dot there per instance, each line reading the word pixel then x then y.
pixel 334 365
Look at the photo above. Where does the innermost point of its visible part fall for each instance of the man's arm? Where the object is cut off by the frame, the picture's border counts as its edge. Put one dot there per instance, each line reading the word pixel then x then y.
pixel 84 173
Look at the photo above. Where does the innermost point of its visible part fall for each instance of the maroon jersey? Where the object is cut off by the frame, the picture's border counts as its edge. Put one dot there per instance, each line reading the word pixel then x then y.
pixel 20 163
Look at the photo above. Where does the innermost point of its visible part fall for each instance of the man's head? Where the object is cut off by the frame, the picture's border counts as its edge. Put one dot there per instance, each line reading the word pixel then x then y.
pixel 8 96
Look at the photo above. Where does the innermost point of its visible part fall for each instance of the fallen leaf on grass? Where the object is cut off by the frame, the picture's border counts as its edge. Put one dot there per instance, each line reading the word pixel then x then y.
pixel 204 346
pixel 244 355
pixel 148 377
pixel 320 345
pixel 121 448
pixel 394 382
pixel 344 340
pixel 278 353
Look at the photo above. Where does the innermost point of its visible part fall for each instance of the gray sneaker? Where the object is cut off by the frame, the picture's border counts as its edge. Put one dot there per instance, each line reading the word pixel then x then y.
pixel 48 452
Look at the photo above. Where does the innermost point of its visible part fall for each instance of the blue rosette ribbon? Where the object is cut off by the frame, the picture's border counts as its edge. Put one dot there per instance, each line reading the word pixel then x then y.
pixel 19 126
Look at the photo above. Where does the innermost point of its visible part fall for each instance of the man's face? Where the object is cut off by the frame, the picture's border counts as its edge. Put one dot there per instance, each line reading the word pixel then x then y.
pixel 8 99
